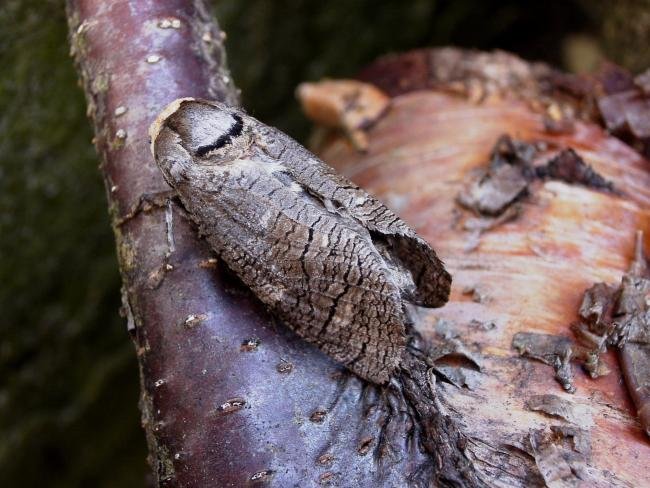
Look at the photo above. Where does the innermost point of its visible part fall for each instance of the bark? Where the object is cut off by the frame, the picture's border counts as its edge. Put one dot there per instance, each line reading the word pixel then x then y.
pixel 519 278
pixel 230 398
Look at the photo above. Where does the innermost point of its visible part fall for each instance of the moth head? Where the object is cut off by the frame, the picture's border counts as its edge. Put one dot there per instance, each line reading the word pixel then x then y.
pixel 205 133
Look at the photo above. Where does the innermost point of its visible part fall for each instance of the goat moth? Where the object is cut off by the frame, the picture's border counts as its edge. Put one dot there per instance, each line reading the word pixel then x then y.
pixel 328 259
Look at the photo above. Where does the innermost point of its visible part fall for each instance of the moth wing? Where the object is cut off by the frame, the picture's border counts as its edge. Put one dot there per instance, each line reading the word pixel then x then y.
pixel 317 271
pixel 431 282
pixel 331 286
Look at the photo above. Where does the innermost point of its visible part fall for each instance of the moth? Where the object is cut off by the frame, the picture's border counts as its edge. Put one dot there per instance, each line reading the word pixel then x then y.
pixel 328 259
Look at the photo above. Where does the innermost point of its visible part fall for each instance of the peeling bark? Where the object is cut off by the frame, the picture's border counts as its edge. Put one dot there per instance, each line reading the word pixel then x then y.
pixel 575 226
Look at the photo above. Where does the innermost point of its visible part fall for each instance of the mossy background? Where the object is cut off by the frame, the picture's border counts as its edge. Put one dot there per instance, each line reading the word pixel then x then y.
pixel 68 374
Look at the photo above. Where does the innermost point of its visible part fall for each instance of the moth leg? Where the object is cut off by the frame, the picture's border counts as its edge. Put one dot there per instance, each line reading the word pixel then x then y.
pixel 146 203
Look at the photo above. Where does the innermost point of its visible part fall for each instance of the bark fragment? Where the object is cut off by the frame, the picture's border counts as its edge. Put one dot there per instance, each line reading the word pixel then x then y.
pixel 611 316
pixel 562 454
pixel 569 167
pixel 556 351
pixel 349 105
pixel 506 179
pixel 554 406
pixel 625 105
pixel 511 171
pixel 620 317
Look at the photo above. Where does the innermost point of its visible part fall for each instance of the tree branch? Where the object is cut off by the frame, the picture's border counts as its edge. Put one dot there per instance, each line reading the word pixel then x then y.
pixel 227 397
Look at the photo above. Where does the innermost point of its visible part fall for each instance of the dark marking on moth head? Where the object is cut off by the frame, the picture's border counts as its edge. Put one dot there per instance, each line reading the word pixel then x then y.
pixel 204 128
pixel 224 139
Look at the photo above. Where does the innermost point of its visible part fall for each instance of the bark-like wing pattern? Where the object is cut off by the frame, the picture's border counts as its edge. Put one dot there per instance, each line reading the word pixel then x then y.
pixel 431 282
pixel 327 258
pixel 317 270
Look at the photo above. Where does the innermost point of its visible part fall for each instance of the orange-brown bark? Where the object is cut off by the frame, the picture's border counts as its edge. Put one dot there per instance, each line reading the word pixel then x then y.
pixel 527 274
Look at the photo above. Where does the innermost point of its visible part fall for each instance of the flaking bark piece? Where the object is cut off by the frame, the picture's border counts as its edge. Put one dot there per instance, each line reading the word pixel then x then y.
pixel 453 362
pixel 553 406
pixel 562 454
pixel 350 105
pixel 569 167
pixel 634 333
pixel 556 351
pixel 625 107
pixel 511 170
pixel 596 330
pixel 617 315
pixel 594 346
pixel 635 363
pixel 632 311
pixel 620 316
pixel 597 307
pixel 506 179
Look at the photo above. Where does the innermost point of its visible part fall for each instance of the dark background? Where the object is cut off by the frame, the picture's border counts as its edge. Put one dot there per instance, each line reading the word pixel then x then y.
pixel 68 374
